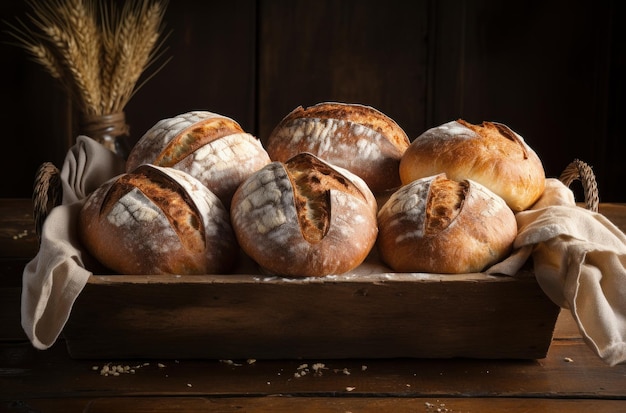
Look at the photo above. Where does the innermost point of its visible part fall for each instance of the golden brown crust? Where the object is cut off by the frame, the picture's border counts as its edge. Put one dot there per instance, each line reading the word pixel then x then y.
pixel 157 220
pixel 312 181
pixel 433 225
pixel 176 204
pixel 444 204
pixel 361 114
pixel 355 137
pixel 490 153
pixel 305 218
pixel 212 148
pixel 194 137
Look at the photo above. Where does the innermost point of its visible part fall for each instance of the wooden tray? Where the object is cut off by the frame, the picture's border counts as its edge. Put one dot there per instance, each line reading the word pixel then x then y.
pixel 371 313
pixel 366 314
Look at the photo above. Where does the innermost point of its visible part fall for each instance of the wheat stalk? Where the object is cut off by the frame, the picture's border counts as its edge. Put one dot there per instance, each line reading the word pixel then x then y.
pixel 98 54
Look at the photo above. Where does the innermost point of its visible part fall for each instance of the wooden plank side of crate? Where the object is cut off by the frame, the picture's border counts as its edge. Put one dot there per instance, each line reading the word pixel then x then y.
pixel 376 316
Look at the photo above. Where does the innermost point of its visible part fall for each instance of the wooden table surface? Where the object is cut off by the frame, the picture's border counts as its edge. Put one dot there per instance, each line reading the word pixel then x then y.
pixel 571 378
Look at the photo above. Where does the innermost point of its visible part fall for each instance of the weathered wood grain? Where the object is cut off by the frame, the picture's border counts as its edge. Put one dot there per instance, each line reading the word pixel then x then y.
pixel 288 404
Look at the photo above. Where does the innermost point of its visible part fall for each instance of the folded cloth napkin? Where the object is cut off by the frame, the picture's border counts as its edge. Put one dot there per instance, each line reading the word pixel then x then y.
pixel 56 275
pixel 579 259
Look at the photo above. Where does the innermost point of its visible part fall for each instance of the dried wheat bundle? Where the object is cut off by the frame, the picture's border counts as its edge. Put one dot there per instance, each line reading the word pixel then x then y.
pixel 98 52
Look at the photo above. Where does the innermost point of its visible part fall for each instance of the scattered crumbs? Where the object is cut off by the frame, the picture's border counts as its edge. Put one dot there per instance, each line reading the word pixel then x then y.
pixel 568 359
pixel 188 384
pixel 303 369
pixel 318 367
pixel 111 369
pixel 114 369
pixel 269 382
pixel 21 235
pixel 408 385
pixel 350 388
pixel 438 407
pixel 231 363
pixel 251 361
pixel 363 368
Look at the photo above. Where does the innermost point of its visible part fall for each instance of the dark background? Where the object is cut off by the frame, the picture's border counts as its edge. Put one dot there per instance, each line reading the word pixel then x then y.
pixel 552 70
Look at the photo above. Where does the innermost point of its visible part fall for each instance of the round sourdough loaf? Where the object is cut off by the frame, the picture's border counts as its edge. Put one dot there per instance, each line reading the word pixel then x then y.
pixel 210 147
pixel 490 154
pixel 438 225
pixel 358 138
pixel 305 218
pixel 156 220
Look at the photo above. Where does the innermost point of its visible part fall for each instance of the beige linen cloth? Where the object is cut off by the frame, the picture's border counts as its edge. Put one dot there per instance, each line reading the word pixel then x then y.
pixel 579 258
pixel 56 276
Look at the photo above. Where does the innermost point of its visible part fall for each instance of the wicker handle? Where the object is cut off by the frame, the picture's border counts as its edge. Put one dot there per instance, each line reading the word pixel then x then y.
pixel 47 193
pixel 578 169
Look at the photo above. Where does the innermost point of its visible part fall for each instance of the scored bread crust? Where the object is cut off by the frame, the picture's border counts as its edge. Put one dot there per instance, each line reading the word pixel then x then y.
pixel 305 218
pixel 355 137
pixel 438 225
pixel 210 147
pixel 156 220
pixel 490 154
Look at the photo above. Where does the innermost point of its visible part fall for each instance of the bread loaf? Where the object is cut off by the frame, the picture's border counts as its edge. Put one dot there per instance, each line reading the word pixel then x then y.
pixel 156 220
pixel 490 154
pixel 304 218
pixel 212 148
pixel 438 225
pixel 355 137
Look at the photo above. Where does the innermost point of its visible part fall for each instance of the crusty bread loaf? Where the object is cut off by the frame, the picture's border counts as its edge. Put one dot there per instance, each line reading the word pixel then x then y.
pixel 305 217
pixel 490 154
pixel 358 138
pixel 438 225
pixel 208 146
pixel 156 220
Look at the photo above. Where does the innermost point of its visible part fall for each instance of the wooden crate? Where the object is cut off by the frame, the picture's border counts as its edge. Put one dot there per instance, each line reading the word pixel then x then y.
pixel 363 315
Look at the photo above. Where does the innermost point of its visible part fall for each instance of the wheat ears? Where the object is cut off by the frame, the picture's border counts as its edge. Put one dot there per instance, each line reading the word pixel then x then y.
pixel 96 52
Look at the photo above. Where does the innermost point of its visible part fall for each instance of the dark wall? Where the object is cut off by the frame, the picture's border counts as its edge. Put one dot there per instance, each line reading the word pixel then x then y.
pixel 551 70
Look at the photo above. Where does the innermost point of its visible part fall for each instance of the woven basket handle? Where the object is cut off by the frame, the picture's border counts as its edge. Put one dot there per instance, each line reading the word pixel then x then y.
pixel 578 169
pixel 47 193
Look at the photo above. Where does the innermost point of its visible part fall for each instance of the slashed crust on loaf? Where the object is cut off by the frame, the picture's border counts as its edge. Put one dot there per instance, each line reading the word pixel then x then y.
pixel 355 137
pixel 361 114
pixel 210 147
pixel 313 180
pixel 305 217
pixel 176 204
pixel 438 225
pixel 490 153
pixel 195 137
pixel 445 201
pixel 493 130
